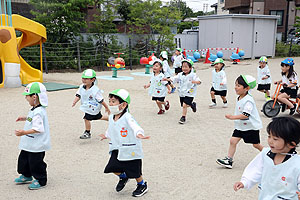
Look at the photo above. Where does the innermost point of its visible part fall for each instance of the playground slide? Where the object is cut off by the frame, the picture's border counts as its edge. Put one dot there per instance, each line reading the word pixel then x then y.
pixel 33 33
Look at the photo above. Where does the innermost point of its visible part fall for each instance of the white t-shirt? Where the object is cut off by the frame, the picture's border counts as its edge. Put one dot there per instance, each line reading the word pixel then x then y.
pixel 262 72
pixel 177 61
pixel 186 87
pixel 292 79
pixel 158 87
pixel 166 69
pixel 217 79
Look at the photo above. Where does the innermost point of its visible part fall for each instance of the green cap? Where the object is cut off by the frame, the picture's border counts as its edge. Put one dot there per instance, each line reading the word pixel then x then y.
pixel 250 80
pixel 263 59
pixel 123 94
pixel 39 89
pixel 188 61
pixel 164 54
pixel 88 73
pixel 219 60
pixel 179 49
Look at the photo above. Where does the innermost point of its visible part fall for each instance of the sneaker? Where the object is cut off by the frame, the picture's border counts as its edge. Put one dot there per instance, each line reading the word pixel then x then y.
pixel 194 107
pixel 283 107
pixel 292 110
pixel 167 105
pixel 225 105
pixel 161 112
pixel 226 162
pixel 121 184
pixel 85 135
pixel 212 105
pixel 23 179
pixel 140 190
pixel 35 185
pixel 173 90
pixel 182 120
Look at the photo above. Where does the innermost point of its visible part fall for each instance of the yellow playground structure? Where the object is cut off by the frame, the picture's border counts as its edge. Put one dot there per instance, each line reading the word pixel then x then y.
pixel 14 70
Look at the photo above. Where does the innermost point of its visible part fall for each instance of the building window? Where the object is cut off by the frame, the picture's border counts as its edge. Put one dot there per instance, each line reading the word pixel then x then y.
pixel 221 1
pixel 278 13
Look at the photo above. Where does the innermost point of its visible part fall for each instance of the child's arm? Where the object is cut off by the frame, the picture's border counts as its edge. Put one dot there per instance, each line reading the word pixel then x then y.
pixel 236 117
pixel 252 174
pixel 196 80
pixel 104 136
pixel 247 110
pixel 147 85
pixel 224 79
pixel 23 132
pixel 21 118
pixel 278 82
pixel 298 195
pixel 37 126
pixel 77 98
pixel 138 131
pixel 169 89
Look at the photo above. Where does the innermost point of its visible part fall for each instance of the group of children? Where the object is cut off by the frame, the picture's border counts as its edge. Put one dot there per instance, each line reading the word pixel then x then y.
pixel 269 167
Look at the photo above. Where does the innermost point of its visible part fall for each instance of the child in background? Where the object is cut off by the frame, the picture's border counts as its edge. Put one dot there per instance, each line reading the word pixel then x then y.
pixel 35 138
pixel 276 168
pixel 289 81
pixel 177 60
pixel 158 87
pixel 247 121
pixel 219 83
pixel 166 68
pixel 264 77
pixel 91 101
pixel 188 81
pixel 125 145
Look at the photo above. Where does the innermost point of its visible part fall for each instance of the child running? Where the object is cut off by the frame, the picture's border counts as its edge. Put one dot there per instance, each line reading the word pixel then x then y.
pixel 276 168
pixel 187 89
pixel 91 101
pixel 125 145
pixel 246 119
pixel 177 60
pixel 219 83
pixel 289 81
pixel 35 138
pixel 166 68
pixel 158 87
pixel 264 77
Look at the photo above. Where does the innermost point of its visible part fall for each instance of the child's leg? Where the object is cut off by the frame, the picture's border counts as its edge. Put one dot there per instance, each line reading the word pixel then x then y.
pixel 263 91
pixel 184 109
pixel 38 167
pixel 283 98
pixel 258 146
pixel 232 147
pixel 224 99
pixel 23 164
pixel 141 188
pixel 159 104
pixel 140 179
pixel 87 124
pixel 213 97
pixel 267 92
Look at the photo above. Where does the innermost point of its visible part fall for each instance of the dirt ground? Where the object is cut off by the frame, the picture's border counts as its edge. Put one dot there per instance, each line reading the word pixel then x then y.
pixel 179 159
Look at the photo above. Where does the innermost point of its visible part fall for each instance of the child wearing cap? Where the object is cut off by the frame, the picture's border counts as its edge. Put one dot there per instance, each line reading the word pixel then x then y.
pixel 187 89
pixel 34 138
pixel 246 119
pixel 219 83
pixel 166 68
pixel 289 82
pixel 158 87
pixel 177 60
pixel 264 77
pixel 125 145
pixel 91 101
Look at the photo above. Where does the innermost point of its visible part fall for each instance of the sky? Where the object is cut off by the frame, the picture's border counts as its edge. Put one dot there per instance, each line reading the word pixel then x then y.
pixel 197 5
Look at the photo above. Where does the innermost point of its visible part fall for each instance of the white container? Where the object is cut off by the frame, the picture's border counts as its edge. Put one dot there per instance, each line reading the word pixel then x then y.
pixel 12 69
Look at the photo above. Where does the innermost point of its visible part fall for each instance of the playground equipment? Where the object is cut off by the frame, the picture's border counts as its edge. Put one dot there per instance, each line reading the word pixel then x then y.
pixel 237 56
pixel 116 64
pixel 219 53
pixel 272 107
pixel 147 62
pixel 14 70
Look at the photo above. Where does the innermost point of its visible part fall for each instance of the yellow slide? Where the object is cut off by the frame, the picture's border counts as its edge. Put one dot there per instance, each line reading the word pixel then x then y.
pixel 33 33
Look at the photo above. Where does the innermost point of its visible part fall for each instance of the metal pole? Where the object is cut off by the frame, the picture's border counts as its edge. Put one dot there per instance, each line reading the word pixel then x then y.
pixel 102 55
pixel 44 58
pixel 130 54
pixel 78 56
pixel 287 19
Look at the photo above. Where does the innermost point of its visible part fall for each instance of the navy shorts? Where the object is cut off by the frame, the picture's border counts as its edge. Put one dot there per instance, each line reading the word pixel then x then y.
pixel 161 99
pixel 250 136
pixel 222 93
pixel 291 92
pixel 186 100
pixel 264 86
pixel 92 117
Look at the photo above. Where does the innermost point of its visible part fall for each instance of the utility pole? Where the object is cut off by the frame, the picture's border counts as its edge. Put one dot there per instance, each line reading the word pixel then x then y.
pixel 287 19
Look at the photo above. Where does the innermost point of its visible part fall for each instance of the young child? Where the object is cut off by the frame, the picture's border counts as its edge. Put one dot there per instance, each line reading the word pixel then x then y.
pixel 35 138
pixel 289 80
pixel 188 81
pixel 264 77
pixel 91 101
pixel 276 168
pixel 158 87
pixel 166 68
pixel 219 83
pixel 247 121
pixel 177 60
pixel 125 145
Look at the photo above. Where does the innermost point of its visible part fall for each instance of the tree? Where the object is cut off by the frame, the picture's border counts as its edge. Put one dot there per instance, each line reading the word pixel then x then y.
pixel 64 19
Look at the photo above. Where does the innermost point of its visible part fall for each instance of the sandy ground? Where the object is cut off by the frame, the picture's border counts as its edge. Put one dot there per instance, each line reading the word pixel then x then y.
pixel 179 159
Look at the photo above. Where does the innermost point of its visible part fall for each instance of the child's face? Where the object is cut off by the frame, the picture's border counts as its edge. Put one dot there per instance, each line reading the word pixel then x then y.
pixel 177 53
pixel 278 145
pixel 114 102
pixel 262 64
pixel 285 68
pixel 31 99
pixel 218 66
pixel 87 81
pixel 161 58
pixel 240 90
pixel 186 68
pixel 156 68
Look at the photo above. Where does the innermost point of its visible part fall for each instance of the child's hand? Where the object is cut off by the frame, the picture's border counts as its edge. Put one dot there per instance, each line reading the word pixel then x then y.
pixel 229 116
pixel 73 104
pixel 145 86
pixel 238 185
pixel 169 91
pixel 140 136
pixel 20 119
pixel 221 83
pixel 19 132
pixel 164 79
pixel 103 137
pixel 298 195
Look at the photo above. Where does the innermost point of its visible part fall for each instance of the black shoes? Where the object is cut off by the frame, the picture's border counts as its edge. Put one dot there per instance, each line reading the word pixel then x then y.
pixel 292 110
pixel 121 184
pixel 140 190
pixel 194 107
